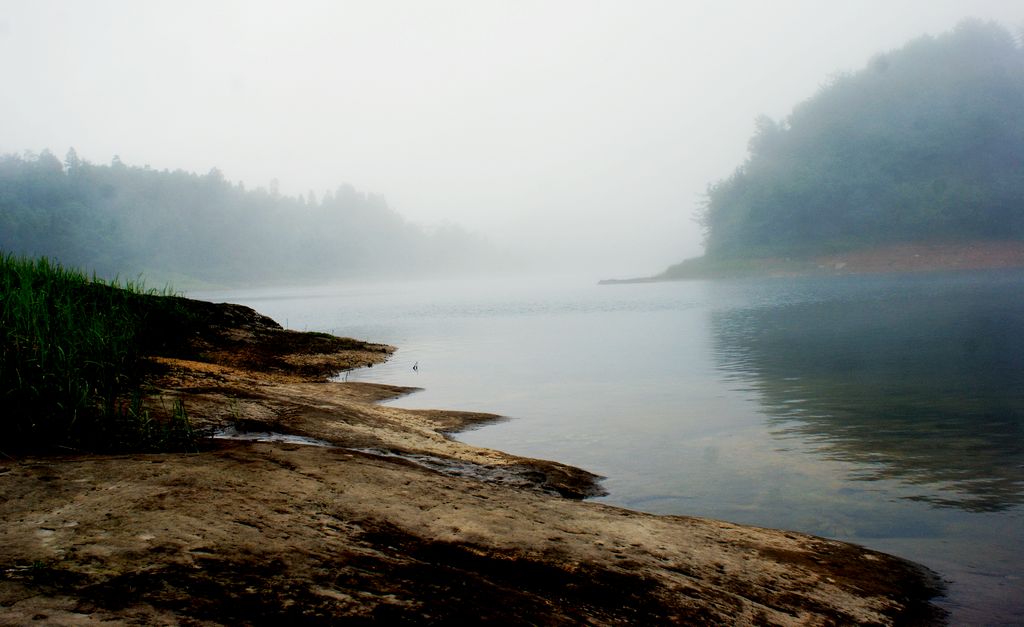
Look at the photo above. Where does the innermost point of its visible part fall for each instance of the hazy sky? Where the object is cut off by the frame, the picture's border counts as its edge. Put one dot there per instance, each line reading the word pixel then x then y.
pixel 585 126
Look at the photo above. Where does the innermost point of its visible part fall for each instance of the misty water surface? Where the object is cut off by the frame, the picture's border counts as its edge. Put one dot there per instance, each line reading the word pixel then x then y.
pixel 886 411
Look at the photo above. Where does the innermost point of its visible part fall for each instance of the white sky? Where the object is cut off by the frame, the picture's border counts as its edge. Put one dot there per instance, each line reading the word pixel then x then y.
pixel 587 127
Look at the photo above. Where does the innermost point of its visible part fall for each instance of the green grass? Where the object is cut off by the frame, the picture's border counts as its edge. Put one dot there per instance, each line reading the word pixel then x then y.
pixel 70 367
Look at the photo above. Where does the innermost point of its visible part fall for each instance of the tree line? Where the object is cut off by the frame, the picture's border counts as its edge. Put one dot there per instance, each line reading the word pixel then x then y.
pixel 120 220
pixel 926 143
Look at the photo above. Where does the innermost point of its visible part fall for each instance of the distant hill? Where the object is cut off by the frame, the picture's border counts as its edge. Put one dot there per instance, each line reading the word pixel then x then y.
pixel 924 145
pixel 192 229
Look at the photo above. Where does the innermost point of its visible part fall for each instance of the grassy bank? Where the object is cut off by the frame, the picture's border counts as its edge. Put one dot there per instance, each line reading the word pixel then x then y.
pixel 71 361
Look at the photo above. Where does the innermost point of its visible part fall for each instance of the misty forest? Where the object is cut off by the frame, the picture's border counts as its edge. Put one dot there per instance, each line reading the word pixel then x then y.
pixel 123 221
pixel 925 143
pixel 404 413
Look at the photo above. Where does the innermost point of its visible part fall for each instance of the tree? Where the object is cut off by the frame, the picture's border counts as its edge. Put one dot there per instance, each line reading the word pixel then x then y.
pixel 71 160
pixel 925 143
pixel 120 220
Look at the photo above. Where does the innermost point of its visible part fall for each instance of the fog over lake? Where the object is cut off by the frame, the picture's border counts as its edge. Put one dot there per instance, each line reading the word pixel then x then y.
pixel 453 178
pixel 886 411
pixel 578 134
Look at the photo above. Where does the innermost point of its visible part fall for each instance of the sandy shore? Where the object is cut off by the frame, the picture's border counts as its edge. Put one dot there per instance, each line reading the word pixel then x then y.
pixel 387 520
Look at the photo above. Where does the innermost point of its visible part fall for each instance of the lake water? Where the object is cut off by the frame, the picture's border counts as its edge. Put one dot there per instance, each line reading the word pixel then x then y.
pixel 882 410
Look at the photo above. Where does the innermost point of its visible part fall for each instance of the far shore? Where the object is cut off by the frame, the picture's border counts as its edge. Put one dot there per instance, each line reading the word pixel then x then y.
pixel 370 513
pixel 894 258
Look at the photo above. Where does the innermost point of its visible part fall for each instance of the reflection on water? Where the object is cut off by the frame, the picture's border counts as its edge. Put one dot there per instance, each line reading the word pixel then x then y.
pixel 885 411
pixel 916 380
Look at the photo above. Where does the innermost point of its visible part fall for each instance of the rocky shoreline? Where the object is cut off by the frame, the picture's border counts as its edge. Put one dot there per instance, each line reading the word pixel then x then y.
pixel 389 520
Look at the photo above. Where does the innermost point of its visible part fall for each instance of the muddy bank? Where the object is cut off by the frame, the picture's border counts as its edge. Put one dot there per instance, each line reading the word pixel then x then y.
pixel 390 521
pixel 891 258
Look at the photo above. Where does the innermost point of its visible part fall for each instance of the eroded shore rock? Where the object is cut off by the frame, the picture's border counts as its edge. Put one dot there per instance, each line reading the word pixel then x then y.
pixel 394 522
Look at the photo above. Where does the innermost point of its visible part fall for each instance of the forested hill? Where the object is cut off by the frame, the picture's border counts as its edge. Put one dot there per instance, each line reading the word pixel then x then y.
pixel 925 144
pixel 187 228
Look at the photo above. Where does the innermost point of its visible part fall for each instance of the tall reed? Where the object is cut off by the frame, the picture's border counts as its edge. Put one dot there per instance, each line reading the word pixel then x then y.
pixel 71 350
